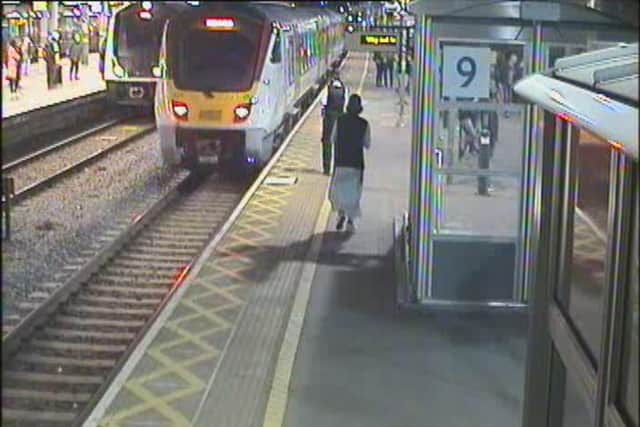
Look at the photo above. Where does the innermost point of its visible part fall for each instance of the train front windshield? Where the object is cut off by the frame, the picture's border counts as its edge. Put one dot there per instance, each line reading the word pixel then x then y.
pixel 137 41
pixel 217 61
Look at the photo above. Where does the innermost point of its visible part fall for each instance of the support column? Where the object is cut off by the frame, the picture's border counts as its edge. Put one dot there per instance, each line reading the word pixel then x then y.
pixel 53 16
pixel 540 158
pixel 419 199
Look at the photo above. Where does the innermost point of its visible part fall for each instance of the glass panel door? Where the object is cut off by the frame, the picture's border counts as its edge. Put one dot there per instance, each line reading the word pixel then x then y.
pixel 477 172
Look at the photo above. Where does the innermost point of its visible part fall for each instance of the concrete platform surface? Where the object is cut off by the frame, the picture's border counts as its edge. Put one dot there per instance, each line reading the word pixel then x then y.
pixel 360 363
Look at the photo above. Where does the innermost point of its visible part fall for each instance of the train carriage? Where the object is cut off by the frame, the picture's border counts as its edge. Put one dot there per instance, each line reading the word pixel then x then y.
pixel 131 50
pixel 235 76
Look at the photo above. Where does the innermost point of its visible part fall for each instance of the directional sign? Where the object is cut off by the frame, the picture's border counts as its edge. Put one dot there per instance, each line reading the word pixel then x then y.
pixel 366 41
pixel 378 40
pixel 466 72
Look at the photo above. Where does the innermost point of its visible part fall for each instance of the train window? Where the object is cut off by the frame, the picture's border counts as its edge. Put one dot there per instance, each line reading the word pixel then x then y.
pixel 276 53
pixel 137 43
pixel 223 61
pixel 584 297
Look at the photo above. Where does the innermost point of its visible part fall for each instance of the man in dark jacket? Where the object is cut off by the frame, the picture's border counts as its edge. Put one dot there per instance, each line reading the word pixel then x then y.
pixel 333 101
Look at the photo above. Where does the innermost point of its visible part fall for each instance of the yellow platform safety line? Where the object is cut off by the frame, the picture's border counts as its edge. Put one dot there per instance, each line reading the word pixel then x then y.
pixel 279 395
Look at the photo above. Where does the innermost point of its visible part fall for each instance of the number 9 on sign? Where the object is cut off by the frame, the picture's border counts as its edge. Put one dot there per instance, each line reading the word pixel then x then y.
pixel 465 72
pixel 466 67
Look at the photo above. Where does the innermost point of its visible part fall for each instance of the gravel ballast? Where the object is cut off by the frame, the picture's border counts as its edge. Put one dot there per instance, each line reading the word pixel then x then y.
pixel 65 224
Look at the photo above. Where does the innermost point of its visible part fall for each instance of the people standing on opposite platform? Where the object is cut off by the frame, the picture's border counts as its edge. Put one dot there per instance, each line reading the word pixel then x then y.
pixel 333 100
pixel 470 133
pixel 350 136
pixel 51 53
pixel 26 47
pixel 379 61
pixel 389 70
pixel 75 54
pixel 13 68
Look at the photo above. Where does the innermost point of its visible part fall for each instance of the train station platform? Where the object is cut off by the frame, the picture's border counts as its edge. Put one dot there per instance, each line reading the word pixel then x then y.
pixel 35 94
pixel 284 321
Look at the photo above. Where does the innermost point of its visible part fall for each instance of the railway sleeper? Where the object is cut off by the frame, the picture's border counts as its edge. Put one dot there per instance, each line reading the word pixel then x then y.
pixel 106 301
pixel 55 382
pixel 103 324
pixel 43 405
pixel 156 250
pixel 157 265
pixel 139 281
pixel 25 307
pixel 179 225
pixel 31 418
pixel 77 348
pixel 109 312
pixel 169 246
pixel 16 393
pixel 169 235
pixel 199 214
pixel 74 335
pixel 167 231
pixel 59 368
pixel 178 260
pixel 135 274
pixel 55 362
pixel 113 290
pixel 204 220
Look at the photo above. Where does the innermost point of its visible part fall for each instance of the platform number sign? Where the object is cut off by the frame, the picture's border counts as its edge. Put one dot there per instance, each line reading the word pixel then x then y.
pixel 465 72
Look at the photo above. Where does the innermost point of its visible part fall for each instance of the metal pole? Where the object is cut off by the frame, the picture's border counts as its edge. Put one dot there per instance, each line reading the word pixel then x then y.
pixel 8 191
pixel 423 111
pixel 483 161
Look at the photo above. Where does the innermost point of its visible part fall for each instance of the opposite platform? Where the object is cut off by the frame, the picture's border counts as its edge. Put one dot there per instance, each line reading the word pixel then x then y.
pixel 35 94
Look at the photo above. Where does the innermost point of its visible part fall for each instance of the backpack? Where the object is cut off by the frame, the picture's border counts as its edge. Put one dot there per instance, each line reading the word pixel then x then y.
pixel 336 97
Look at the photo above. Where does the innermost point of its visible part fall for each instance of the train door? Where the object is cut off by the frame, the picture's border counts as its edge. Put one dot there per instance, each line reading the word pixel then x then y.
pixel 274 79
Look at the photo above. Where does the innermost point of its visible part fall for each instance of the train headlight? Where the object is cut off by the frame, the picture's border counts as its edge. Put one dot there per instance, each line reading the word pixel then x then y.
pixel 241 112
pixel 180 110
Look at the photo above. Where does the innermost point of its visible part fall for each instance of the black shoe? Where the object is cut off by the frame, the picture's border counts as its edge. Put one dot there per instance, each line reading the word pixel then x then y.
pixel 340 224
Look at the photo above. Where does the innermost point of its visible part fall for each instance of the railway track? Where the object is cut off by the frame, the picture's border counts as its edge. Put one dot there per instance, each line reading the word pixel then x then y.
pixel 43 168
pixel 57 361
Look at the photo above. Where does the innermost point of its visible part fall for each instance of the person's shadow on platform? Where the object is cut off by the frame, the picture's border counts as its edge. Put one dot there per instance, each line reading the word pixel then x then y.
pixel 266 259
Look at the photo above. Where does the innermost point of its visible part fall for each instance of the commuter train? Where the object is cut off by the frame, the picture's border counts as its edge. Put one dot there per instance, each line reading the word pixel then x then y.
pixel 235 76
pixel 130 58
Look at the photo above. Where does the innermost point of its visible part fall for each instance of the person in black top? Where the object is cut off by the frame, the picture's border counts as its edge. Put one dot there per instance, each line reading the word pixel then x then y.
pixel 333 101
pixel 379 61
pixel 350 135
